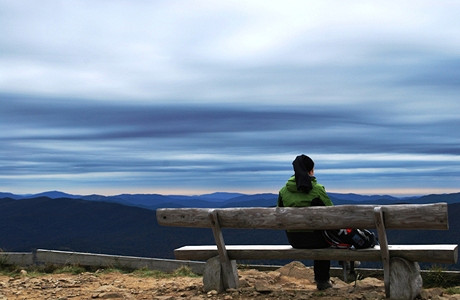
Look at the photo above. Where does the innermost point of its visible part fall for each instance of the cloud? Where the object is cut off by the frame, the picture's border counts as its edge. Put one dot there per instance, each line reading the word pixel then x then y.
pixel 139 145
pixel 223 95
pixel 144 50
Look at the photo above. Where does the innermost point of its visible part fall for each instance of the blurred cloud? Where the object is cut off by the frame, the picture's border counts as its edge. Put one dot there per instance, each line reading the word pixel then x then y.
pixel 198 96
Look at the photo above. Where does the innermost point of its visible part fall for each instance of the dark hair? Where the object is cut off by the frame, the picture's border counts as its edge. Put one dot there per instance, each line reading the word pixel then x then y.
pixel 305 162
pixel 302 166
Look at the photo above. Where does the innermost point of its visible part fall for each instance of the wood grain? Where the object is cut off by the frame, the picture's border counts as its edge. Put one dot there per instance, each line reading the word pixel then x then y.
pixel 410 216
pixel 421 253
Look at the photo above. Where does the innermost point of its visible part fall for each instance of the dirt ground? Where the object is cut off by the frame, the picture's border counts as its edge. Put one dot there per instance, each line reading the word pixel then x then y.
pixel 293 281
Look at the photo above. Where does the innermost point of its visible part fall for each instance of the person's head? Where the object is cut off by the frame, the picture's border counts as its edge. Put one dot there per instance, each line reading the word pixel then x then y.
pixel 303 171
pixel 305 163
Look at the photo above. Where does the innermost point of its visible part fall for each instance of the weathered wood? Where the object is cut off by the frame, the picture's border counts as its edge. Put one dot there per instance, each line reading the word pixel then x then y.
pixel 214 276
pixel 406 281
pixel 412 216
pixel 421 253
pixel 384 252
pixel 382 217
pixel 229 274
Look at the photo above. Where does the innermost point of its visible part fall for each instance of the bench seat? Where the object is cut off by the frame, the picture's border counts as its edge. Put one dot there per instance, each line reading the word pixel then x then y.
pixel 420 253
pixel 400 262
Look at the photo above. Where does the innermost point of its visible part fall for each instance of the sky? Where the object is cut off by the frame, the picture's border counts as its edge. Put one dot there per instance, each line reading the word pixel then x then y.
pixel 193 97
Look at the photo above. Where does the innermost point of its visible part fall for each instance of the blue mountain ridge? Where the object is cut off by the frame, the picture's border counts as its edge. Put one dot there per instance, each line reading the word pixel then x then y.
pixel 223 199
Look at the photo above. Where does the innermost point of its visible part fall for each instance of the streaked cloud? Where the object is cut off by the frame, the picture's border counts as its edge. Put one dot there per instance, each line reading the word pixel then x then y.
pixel 202 96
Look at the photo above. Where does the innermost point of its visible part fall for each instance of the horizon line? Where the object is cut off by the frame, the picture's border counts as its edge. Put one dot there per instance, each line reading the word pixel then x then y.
pixel 364 192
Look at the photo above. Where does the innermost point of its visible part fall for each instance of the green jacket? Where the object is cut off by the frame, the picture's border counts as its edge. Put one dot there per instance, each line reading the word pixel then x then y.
pixel 289 195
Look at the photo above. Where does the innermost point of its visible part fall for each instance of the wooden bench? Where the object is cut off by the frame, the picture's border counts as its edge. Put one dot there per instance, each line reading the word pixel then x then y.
pixel 400 262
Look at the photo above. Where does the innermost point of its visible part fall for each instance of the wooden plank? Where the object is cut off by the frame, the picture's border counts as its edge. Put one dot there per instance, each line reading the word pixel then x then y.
pixel 404 216
pixel 229 275
pixel 443 253
pixel 384 251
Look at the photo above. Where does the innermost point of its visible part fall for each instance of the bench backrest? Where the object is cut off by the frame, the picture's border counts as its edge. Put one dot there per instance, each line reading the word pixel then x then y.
pixel 402 216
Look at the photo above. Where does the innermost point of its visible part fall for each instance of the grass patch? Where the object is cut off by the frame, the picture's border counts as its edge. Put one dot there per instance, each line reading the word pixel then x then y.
pixel 180 272
pixel 184 272
pixel 437 277
pixel 3 259
pixel 453 290
pixel 71 269
pixel 56 269
pixel 5 268
pixel 111 270
pixel 9 270
pixel 40 270
pixel 144 272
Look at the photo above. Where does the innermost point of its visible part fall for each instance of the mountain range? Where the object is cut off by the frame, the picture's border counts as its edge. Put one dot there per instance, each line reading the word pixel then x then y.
pixel 126 224
pixel 223 199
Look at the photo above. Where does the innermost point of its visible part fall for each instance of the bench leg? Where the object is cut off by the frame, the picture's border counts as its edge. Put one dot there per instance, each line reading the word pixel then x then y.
pixel 405 279
pixel 218 277
pixel 348 268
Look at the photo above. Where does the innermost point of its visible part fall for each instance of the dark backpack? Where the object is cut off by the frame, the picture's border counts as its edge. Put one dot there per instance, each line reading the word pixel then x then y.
pixel 350 238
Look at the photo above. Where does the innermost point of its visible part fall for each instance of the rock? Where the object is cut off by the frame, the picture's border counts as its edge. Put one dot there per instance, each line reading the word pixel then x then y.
pixel 243 283
pixel 110 295
pixel 168 298
pixel 214 277
pixel 338 283
pixel 297 270
pixel 274 276
pixel 369 283
pixel 431 293
pixel 262 286
pixel 258 285
pixel 405 279
pixel 105 288
pixel 372 295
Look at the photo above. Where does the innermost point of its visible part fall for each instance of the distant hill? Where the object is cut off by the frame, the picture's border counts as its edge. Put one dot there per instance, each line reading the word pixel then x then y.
pixel 218 196
pixel 114 228
pixel 9 195
pixel 361 198
pixel 87 226
pixel 449 198
pixel 222 199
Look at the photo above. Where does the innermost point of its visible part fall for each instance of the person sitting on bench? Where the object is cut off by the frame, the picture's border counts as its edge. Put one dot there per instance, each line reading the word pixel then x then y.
pixel 302 190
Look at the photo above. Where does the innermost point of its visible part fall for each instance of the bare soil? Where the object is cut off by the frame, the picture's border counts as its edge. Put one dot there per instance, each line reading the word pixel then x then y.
pixel 293 281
